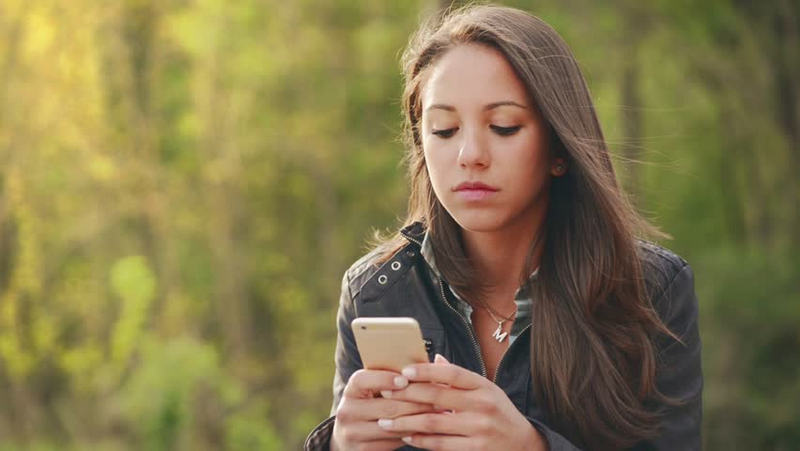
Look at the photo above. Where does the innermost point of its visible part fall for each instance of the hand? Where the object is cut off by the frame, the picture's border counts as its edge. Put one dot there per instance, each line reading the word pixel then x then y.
pixel 356 426
pixel 474 413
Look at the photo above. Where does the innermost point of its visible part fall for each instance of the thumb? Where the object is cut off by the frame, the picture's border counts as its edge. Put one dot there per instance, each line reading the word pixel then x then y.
pixel 439 359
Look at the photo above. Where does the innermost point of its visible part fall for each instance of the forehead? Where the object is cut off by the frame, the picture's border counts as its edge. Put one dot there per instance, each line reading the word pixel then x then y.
pixel 472 74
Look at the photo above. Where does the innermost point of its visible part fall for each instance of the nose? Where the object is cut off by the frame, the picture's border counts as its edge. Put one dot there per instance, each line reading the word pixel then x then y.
pixel 473 152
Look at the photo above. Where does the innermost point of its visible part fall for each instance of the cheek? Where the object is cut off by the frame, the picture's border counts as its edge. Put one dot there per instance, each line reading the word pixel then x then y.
pixel 527 165
pixel 528 154
pixel 436 160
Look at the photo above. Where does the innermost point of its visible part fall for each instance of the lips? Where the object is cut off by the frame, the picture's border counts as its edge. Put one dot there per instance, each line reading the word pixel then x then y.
pixel 475 191
pixel 475 186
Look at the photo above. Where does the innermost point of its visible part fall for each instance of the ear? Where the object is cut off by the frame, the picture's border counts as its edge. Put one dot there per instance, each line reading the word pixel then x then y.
pixel 558 168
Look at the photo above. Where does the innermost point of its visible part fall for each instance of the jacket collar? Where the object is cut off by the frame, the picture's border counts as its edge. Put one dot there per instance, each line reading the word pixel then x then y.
pixel 414 232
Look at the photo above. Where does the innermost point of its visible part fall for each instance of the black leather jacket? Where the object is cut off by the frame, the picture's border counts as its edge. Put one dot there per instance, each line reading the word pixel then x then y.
pixel 402 286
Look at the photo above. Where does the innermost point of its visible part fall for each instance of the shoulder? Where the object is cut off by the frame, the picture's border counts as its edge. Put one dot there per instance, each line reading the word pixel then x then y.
pixel 362 269
pixel 670 284
pixel 375 264
pixel 398 252
pixel 660 267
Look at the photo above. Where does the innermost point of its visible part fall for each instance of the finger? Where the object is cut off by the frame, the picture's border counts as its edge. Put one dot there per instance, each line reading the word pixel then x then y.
pixel 365 383
pixel 439 359
pixel 439 397
pixel 384 445
pixel 442 442
pixel 427 423
pixel 369 431
pixel 372 409
pixel 449 374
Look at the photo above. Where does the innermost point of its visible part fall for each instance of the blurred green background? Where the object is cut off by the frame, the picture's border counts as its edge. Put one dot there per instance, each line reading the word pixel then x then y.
pixel 182 184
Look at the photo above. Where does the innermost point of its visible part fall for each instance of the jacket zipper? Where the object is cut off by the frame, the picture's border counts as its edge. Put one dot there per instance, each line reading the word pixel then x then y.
pixel 503 357
pixel 475 346
pixel 467 326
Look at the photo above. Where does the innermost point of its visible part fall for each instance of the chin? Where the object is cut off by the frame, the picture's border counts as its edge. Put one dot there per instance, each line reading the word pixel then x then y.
pixel 484 221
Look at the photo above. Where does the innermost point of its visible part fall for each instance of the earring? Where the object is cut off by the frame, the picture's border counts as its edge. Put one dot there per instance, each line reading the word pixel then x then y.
pixel 559 167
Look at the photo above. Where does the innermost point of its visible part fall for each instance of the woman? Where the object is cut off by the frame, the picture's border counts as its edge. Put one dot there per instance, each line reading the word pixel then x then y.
pixel 550 323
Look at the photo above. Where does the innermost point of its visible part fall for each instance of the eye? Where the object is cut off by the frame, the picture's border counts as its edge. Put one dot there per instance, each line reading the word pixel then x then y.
pixel 445 133
pixel 505 131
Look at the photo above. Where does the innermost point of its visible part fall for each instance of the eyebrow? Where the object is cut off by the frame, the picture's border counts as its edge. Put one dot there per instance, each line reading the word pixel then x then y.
pixel 491 106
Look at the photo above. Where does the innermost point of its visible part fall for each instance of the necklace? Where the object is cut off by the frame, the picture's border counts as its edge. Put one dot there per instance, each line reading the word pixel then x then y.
pixel 498 334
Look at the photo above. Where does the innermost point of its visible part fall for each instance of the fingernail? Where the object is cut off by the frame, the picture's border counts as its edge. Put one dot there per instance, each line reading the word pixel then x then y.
pixel 400 381
pixel 407 439
pixel 385 423
pixel 409 372
pixel 440 359
pixel 386 393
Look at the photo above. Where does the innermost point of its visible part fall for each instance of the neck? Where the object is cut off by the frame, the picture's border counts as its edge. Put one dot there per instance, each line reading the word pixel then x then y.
pixel 500 256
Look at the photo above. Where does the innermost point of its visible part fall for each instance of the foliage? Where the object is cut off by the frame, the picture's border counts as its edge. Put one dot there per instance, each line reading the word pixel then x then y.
pixel 182 184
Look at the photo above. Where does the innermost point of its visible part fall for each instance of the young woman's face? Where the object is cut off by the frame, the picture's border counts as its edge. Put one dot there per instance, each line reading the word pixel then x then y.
pixel 485 145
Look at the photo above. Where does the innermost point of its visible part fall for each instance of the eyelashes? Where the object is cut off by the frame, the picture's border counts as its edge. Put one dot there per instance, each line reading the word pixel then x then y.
pixel 505 131
pixel 444 133
pixel 501 131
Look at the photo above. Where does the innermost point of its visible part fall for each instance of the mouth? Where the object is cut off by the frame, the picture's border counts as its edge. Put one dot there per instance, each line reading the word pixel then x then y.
pixel 475 186
pixel 474 191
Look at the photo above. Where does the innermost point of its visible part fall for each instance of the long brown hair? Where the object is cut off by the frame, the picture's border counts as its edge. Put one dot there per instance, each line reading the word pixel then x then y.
pixel 593 359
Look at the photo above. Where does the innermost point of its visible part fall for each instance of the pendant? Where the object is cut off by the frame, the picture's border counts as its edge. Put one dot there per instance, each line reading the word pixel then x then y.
pixel 498 334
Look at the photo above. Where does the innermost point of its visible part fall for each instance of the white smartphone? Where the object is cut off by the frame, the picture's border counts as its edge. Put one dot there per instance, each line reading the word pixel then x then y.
pixel 389 343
